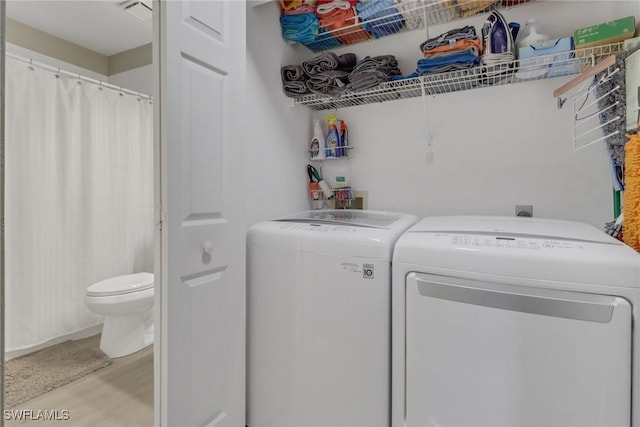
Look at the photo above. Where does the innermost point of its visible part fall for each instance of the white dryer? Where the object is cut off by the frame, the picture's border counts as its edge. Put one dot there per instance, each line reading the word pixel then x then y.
pixel 514 322
pixel 319 319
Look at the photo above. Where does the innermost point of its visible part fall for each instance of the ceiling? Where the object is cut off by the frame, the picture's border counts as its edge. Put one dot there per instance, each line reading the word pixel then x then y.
pixel 102 26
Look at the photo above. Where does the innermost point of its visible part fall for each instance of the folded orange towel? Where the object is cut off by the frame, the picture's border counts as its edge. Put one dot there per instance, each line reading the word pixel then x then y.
pixel 290 4
pixel 342 25
pixel 459 45
pixel 631 198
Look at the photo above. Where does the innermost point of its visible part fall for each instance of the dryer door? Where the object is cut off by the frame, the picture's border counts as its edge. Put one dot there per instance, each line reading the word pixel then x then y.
pixel 484 354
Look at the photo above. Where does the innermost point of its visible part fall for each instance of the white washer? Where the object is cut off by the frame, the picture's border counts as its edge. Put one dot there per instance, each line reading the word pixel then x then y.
pixel 514 322
pixel 318 318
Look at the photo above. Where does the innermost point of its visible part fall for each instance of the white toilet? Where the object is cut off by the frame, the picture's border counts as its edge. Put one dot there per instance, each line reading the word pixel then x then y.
pixel 126 302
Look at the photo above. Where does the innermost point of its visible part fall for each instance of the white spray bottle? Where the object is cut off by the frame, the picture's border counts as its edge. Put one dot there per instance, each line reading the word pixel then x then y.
pixel 317 145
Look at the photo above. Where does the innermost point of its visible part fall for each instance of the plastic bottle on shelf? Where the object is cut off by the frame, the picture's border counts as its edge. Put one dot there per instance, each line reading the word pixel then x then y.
pixel 531 35
pixel 344 139
pixel 333 138
pixel 317 145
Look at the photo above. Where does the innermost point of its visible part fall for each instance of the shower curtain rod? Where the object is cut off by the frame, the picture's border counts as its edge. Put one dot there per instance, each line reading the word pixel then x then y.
pixel 78 76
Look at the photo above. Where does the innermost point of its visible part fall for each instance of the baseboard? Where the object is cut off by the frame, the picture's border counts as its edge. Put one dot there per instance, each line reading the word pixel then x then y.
pixel 93 330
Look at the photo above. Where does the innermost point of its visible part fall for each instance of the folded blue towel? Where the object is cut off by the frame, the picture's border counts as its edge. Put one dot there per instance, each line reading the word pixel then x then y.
pixel 324 41
pixel 302 28
pixel 408 76
pixel 386 22
pixel 457 61
pixel 367 9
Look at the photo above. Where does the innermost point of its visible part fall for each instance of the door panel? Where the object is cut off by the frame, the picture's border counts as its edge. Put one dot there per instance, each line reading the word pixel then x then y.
pixel 202 142
pixel 200 58
pixel 482 354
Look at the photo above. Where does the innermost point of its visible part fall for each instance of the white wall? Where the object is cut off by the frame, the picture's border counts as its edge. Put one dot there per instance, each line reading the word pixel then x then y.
pixel 13 49
pixel 139 79
pixel 493 147
pixel 277 133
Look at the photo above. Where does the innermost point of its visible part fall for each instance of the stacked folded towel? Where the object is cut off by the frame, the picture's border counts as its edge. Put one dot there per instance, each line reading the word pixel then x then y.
pixel 439 12
pixel 328 82
pixel 380 16
pixel 449 61
pixel 451 36
pixel 328 73
pixel 329 6
pixel 324 41
pixel 412 13
pixel 302 27
pixel 370 72
pixel 466 8
pixel 457 49
pixel 338 17
pixel 328 61
pixel 294 81
pixel 296 7
pixel 325 74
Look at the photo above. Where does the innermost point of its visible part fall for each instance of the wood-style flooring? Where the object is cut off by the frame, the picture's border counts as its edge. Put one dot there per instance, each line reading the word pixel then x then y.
pixel 119 395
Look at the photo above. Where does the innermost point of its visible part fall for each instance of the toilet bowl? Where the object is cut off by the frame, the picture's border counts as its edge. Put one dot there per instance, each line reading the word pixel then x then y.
pixel 126 302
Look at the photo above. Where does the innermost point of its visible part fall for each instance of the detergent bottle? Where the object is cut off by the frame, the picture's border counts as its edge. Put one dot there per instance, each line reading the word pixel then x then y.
pixel 332 142
pixel 531 35
pixel 317 147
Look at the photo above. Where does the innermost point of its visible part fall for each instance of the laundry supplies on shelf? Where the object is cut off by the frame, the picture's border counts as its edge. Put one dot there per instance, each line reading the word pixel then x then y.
pixel 530 35
pixel 459 59
pixel 317 146
pixel 498 46
pixel 334 190
pixel 332 142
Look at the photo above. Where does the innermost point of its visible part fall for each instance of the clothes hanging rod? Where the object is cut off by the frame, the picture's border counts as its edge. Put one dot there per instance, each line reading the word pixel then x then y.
pixel 607 62
pixel 78 76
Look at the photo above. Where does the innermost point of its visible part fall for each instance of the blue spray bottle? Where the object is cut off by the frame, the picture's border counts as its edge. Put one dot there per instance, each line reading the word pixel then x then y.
pixel 332 142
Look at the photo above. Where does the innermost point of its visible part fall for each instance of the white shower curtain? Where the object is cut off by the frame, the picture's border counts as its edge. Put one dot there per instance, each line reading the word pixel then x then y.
pixel 79 198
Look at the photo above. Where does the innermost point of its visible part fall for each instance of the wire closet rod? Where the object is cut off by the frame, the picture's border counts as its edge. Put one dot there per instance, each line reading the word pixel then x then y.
pixel 78 76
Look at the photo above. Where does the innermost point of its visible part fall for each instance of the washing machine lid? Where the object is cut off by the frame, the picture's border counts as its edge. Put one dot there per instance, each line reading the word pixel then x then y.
pixel 514 227
pixel 358 218
pixel 342 233
pixel 121 285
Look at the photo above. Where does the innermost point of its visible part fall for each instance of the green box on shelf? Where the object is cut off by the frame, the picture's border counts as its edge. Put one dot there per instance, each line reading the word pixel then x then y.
pixel 605 33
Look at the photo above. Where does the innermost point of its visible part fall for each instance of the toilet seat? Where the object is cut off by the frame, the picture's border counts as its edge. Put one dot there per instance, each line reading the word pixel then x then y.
pixel 121 285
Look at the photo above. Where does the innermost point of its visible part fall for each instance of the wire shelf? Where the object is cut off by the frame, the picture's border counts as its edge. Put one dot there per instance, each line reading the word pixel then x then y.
pixel 339 153
pixel 536 68
pixel 405 15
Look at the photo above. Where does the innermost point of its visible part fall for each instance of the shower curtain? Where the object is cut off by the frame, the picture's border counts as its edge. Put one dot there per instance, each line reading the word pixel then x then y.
pixel 79 198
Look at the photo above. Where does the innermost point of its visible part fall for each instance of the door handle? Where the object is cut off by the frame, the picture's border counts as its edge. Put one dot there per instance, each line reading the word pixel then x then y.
pixel 207 247
pixel 599 308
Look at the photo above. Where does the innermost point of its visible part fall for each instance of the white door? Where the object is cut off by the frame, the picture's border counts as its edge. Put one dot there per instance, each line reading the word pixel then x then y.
pixel 199 55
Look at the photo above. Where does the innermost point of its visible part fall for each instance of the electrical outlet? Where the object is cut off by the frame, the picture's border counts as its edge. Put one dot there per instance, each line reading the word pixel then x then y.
pixel 363 197
pixel 524 210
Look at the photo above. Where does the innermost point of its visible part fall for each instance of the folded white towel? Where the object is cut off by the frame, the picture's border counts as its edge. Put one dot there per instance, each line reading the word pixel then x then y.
pixel 412 12
pixel 335 4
